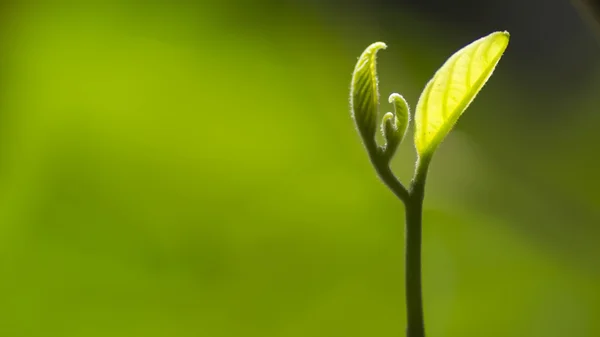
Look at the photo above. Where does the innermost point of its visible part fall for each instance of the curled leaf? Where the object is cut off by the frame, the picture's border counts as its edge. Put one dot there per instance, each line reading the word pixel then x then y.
pixel 402 112
pixel 453 88
pixel 364 93
pixel 389 128
pixel 394 125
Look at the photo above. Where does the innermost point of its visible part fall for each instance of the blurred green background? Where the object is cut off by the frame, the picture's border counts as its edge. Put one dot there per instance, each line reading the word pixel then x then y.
pixel 179 169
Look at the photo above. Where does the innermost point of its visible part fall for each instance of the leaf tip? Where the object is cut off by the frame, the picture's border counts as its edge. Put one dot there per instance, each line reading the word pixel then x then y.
pixel 370 54
pixel 377 46
pixel 503 37
pixel 394 97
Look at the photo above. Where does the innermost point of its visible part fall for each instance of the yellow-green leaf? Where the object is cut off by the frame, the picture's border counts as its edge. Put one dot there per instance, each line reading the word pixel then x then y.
pixel 364 93
pixel 453 88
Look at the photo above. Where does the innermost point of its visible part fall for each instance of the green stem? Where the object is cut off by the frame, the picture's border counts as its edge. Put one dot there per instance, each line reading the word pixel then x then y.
pixel 413 238
pixel 413 202
pixel 414 301
pixel 381 162
pixel 389 179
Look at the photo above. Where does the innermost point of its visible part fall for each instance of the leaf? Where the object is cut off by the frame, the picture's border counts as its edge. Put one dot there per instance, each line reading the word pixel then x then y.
pixel 402 113
pixel 364 93
pixel 453 88
pixel 394 125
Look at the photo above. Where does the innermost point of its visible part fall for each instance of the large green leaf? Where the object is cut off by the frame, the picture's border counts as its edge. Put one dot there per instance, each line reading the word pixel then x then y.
pixel 453 88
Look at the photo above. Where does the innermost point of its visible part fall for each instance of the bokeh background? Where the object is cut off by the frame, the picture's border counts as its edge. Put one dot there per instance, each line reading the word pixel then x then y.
pixel 181 168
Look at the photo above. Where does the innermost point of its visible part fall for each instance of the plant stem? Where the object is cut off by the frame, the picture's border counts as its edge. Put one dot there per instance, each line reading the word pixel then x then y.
pixel 381 164
pixel 414 301
pixel 413 238
pixel 413 202
pixel 389 179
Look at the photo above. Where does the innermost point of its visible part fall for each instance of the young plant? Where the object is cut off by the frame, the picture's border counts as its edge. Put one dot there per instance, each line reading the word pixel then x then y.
pixel 444 99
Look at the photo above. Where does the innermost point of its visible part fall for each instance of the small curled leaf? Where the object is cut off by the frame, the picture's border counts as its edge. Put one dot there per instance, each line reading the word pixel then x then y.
pixel 394 125
pixel 364 93
pixel 402 112
pixel 453 88
pixel 389 128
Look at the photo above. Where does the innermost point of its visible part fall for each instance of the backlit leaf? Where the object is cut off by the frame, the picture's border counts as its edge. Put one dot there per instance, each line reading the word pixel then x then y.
pixel 453 88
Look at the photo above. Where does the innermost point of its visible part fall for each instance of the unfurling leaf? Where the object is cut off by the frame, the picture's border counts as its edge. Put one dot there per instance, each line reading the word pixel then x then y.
pixel 364 93
pixel 394 125
pixel 389 128
pixel 453 88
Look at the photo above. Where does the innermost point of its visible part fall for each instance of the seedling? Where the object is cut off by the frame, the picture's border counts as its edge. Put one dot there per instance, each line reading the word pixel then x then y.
pixel 444 99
